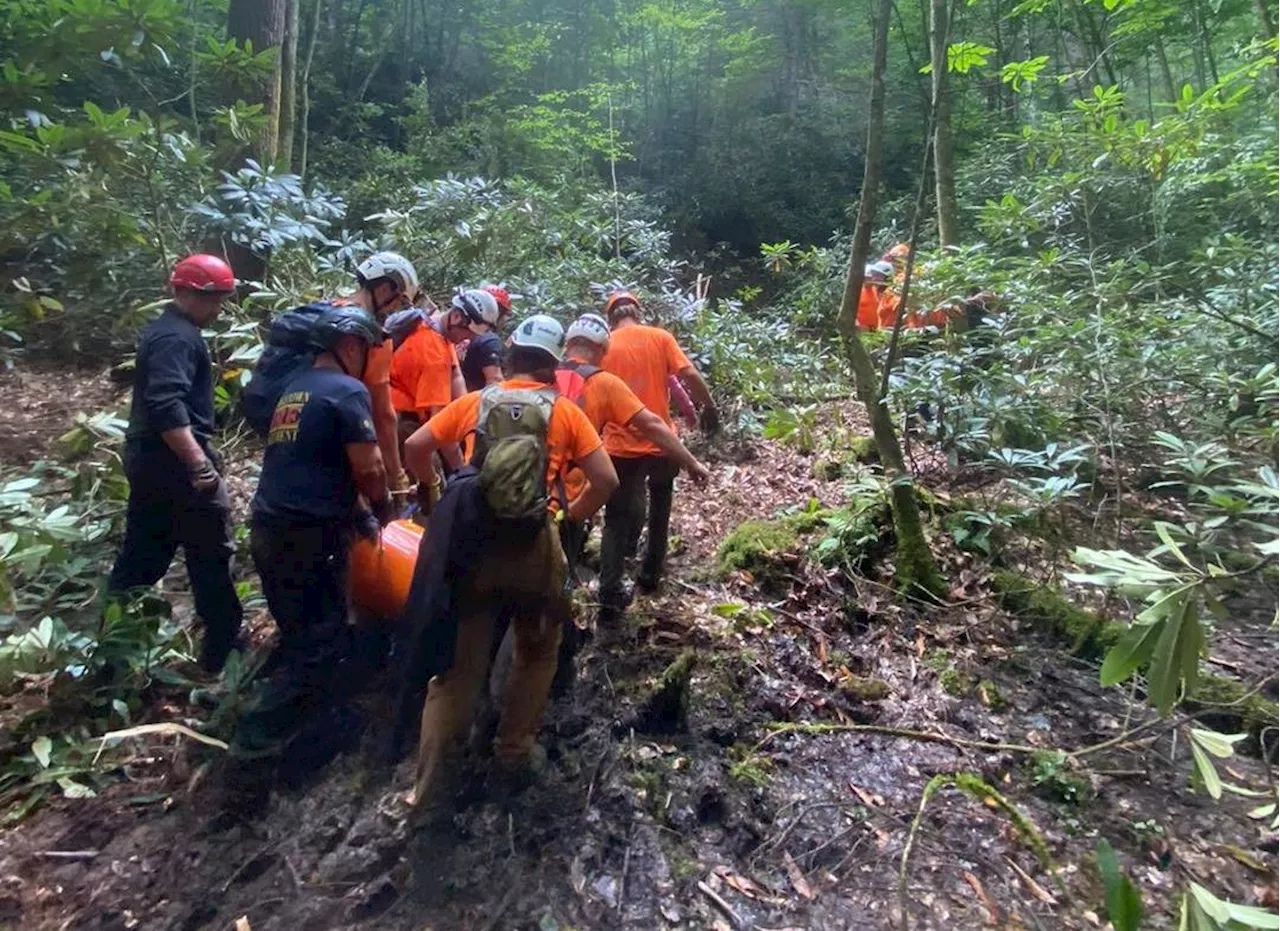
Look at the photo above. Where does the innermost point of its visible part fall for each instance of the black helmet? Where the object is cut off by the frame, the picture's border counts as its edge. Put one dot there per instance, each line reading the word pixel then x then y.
pixel 346 320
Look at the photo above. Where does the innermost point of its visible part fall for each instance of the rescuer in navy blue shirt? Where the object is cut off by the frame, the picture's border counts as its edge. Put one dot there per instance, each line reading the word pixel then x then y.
pixel 322 455
pixel 176 493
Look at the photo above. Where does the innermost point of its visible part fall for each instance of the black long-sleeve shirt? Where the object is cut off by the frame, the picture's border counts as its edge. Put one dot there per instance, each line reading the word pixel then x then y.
pixel 172 383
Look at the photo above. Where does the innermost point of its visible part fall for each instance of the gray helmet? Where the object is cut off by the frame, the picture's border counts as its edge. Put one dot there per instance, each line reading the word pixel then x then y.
pixel 346 320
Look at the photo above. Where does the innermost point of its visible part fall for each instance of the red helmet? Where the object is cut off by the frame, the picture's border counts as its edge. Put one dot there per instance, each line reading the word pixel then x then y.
pixel 500 295
pixel 203 272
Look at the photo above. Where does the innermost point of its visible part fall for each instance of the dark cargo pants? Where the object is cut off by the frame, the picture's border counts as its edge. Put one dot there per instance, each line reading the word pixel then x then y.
pixel 624 517
pixel 303 571
pixel 165 512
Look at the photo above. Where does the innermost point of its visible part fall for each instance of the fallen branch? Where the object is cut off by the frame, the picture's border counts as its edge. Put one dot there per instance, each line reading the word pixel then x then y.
pixel 168 727
pixel 721 904
pixel 928 736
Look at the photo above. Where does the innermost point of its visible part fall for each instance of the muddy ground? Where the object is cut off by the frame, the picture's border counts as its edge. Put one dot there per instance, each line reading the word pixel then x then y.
pixel 723 821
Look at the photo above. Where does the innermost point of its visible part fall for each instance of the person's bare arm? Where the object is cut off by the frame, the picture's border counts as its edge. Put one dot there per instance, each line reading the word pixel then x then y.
pixel 183 443
pixel 418 449
pixel 370 475
pixel 652 428
pixel 602 482
pixel 384 425
pixel 697 386
pixel 457 384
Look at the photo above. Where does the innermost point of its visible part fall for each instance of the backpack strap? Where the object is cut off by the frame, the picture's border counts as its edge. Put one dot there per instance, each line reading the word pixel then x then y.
pixel 572 377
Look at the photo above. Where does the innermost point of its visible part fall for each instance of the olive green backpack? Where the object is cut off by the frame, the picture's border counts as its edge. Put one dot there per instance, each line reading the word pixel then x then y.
pixel 511 453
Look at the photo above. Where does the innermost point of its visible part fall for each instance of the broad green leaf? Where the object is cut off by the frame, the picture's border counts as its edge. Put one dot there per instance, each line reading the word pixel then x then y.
pixel 1162 531
pixel 964 56
pixel 1190 646
pixel 1165 672
pixel 1220 745
pixel 41 749
pixel 1124 905
pixel 1208 774
pixel 728 609
pixel 1253 916
pixel 1132 650
pixel 1210 904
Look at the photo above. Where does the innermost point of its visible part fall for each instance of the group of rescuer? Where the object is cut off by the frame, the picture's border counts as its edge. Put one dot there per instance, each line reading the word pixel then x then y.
pixel 503 436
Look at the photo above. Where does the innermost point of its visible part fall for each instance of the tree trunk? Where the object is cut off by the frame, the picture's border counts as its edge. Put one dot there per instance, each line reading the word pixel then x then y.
pixel 288 85
pixel 1263 9
pixel 944 171
pixel 306 85
pixel 1166 72
pixel 915 566
pixel 261 22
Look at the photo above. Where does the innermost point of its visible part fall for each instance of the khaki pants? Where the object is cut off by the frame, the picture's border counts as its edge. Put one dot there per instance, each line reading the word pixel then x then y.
pixel 527 580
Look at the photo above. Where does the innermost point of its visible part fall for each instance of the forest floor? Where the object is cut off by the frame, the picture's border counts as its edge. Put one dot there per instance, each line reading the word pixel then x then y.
pixel 728 822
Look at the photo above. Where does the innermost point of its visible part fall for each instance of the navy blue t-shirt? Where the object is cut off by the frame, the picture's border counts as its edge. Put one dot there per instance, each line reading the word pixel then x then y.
pixel 306 475
pixel 485 349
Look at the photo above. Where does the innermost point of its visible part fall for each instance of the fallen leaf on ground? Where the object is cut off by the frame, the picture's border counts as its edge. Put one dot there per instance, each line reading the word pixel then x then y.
pixel 242 923
pixel 1033 887
pixel 796 875
pixel 993 910
pixel 741 883
pixel 870 799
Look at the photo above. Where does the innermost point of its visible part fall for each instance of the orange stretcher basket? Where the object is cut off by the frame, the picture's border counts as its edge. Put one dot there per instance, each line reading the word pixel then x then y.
pixel 381 572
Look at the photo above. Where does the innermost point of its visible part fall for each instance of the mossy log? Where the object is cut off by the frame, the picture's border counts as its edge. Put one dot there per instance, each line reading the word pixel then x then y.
pixel 1091 636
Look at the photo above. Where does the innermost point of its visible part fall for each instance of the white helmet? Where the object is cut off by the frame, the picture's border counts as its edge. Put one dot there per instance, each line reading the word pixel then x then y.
pixel 479 307
pixel 591 327
pixel 878 271
pixel 540 332
pixel 390 265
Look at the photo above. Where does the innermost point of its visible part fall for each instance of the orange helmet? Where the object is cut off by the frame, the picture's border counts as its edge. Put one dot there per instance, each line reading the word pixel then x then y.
pixel 619 299
pixel 900 251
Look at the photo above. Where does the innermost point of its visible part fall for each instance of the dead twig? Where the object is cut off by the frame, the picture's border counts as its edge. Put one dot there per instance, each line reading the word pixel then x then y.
pixel 626 866
pixel 67 854
pixel 721 904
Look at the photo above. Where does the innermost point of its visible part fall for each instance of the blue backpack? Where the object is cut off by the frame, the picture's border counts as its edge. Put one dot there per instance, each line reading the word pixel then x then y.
pixel 289 350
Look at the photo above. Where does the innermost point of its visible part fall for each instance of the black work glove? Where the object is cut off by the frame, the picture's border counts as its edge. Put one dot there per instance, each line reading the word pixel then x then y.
pixel 709 421
pixel 215 457
pixel 366 526
pixel 204 477
pixel 384 511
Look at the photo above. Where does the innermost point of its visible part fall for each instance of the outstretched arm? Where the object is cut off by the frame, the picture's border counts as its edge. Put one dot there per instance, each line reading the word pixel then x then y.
pixel 652 428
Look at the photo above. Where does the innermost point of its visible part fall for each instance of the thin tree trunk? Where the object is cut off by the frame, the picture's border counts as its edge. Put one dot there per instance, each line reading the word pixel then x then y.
pixel 914 564
pixel 1263 9
pixel 943 154
pixel 261 22
pixel 306 85
pixel 1206 40
pixel 288 85
pixel 1170 88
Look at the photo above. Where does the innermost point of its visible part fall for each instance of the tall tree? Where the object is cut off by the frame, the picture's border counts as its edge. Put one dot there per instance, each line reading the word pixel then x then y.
pixel 944 169
pixel 288 84
pixel 262 23
pixel 915 565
